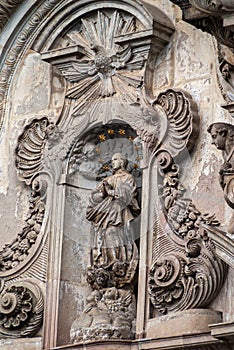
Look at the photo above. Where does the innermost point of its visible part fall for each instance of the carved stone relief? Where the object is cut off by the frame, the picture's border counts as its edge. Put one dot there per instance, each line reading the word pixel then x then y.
pixel 21 309
pixel 110 310
pixel 29 164
pixel 213 6
pixel 223 138
pixel 225 74
pixel 7 8
pixel 104 55
pixel 184 256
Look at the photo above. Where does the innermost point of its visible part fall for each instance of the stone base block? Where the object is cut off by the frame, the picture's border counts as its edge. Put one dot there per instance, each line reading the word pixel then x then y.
pixel 182 323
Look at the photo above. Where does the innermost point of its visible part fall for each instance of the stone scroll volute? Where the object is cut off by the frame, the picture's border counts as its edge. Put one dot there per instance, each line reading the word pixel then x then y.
pixel 182 253
pixel 104 54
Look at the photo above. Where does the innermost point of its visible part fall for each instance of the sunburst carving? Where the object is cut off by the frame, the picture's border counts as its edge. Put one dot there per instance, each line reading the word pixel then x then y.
pixel 106 67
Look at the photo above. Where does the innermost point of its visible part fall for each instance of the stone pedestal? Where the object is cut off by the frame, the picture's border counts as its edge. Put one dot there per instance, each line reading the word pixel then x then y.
pixel 182 323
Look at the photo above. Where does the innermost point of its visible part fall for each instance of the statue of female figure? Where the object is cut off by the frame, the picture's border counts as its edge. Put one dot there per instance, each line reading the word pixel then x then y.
pixel 113 205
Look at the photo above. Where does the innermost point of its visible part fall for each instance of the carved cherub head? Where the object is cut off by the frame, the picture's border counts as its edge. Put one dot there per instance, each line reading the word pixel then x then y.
pixel 53 134
pixel 222 136
pixel 89 151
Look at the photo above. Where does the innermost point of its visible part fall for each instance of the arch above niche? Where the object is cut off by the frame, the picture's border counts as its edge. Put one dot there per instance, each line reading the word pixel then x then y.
pixel 68 13
pixel 90 157
pixel 33 22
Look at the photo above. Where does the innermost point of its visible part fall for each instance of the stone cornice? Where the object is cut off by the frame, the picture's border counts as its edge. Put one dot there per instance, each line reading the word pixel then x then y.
pixel 224 244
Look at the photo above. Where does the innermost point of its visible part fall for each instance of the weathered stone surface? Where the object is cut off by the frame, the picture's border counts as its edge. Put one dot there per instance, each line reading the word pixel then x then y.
pixel 79 82
pixel 183 323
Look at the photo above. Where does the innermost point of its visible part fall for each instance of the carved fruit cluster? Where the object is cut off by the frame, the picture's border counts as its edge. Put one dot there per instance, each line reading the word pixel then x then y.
pixel 182 214
pixel 14 253
pixel 186 272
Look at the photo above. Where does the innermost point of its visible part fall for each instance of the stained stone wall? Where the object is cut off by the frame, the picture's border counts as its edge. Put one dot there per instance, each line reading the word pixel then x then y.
pixel 79 82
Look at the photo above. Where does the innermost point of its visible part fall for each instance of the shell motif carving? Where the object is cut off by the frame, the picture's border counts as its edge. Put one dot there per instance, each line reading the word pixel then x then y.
pixel 29 162
pixel 30 150
pixel 170 124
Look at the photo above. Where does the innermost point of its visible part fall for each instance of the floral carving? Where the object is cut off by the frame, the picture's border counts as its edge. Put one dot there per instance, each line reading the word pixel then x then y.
pixel 185 256
pixel 29 162
pixel 14 253
pixel 21 309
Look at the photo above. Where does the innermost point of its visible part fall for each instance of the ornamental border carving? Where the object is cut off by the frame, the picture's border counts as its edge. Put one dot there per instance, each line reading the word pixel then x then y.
pixel 21 309
pixel 26 36
pixel 7 8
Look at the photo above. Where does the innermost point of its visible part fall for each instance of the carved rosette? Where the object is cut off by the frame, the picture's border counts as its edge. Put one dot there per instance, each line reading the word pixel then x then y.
pixel 21 309
pixel 186 272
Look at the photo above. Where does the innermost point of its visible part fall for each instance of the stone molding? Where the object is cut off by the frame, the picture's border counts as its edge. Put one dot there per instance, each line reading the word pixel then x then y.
pixel 7 8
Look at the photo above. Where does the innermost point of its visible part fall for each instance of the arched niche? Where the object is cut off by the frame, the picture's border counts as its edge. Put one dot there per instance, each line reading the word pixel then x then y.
pixel 45 135
pixel 89 162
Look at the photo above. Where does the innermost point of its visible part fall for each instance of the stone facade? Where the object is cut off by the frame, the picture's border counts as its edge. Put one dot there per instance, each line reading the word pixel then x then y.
pixel 116 203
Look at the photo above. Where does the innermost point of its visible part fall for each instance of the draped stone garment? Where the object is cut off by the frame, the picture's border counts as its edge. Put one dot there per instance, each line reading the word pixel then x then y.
pixel 113 205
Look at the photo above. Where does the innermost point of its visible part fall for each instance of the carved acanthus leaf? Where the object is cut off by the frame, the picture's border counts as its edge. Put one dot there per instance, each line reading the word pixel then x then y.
pixel 29 152
pixel 184 256
pixel 171 123
pixel 21 309
pixel 182 118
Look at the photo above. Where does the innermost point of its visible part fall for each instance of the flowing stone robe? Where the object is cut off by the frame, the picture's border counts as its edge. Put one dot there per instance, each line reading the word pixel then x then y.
pixel 113 205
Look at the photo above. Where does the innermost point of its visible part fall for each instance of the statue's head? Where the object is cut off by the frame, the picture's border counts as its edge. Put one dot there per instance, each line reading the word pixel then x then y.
pixel 119 161
pixel 222 136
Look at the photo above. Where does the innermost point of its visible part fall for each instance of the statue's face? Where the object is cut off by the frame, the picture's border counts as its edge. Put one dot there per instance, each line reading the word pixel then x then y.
pixel 218 139
pixel 116 162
